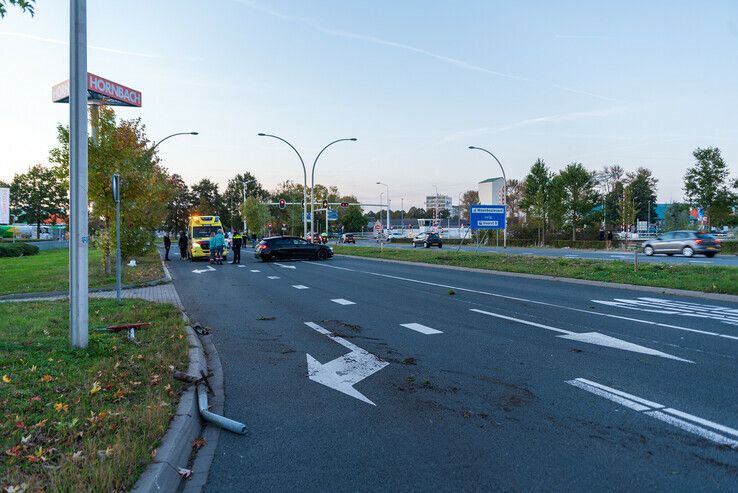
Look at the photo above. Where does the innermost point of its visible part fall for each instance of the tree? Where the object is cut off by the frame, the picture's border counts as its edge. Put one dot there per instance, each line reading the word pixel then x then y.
pixel 256 214
pixel 233 196
pixel 121 147
pixel 642 188
pixel 536 199
pixel 37 195
pixel 577 188
pixel 706 184
pixel 179 208
pixel 676 216
pixel 515 190
pixel 207 200
pixel 24 5
pixel 468 198
pixel 610 178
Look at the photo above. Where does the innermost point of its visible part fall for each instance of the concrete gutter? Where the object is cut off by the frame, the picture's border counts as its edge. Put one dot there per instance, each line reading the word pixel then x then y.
pixel 617 285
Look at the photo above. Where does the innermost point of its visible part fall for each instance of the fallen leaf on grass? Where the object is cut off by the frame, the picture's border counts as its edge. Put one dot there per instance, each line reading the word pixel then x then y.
pixel 199 443
pixel 95 388
pixel 60 406
pixel 77 456
pixel 155 380
pixel 7 379
pixel 41 423
pixel 35 398
pixel 46 378
pixel 14 451
pixel 18 488
pixel 185 473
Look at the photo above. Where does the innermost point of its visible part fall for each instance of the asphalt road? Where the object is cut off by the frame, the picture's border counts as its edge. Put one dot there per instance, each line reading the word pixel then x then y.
pixel 359 375
pixel 723 260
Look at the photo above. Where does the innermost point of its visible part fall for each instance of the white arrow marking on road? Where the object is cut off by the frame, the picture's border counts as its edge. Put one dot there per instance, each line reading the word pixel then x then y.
pixel 421 328
pixel 346 371
pixel 607 341
pixel 286 266
pixel 200 271
pixel 589 337
pixel 341 301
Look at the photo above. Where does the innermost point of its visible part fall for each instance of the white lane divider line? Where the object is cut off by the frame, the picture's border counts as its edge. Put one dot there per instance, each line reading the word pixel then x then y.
pixel 674 417
pixel 286 266
pixel 341 301
pixel 595 338
pixel 241 266
pixel 299 286
pixel 521 321
pixel 255 270
pixel 524 300
pixel 272 277
pixel 423 329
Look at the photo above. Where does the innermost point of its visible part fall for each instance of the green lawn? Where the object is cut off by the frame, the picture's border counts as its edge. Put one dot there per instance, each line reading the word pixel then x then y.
pixel 705 278
pixel 85 420
pixel 49 271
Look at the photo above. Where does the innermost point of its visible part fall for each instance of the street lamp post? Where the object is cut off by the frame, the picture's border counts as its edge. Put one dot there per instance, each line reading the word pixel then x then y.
pixel 388 205
pixel 312 188
pixel 402 214
pixel 504 179
pixel 437 219
pixel 304 188
pixel 170 136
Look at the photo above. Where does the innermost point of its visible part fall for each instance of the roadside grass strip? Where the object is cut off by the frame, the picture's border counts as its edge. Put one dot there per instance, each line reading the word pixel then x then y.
pixel 85 420
pixel 687 422
pixel 49 271
pixel 697 277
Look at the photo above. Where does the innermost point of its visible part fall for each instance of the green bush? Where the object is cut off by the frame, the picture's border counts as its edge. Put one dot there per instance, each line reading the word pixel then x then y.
pixel 17 249
pixel 729 247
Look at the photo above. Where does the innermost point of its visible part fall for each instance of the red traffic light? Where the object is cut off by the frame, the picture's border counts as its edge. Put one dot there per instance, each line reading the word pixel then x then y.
pixel 282 204
pixel 269 225
pixel 344 204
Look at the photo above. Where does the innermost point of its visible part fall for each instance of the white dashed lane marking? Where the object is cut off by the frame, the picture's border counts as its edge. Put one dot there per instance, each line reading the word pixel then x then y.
pixel 421 328
pixel 299 286
pixel 272 277
pixel 341 301
pixel 255 270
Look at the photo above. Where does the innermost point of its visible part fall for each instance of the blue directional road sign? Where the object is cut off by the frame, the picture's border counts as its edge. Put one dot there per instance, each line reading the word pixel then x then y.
pixel 332 215
pixel 309 217
pixel 486 216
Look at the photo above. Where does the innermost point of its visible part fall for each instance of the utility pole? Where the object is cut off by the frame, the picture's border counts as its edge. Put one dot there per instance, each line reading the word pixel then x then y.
pixel 79 239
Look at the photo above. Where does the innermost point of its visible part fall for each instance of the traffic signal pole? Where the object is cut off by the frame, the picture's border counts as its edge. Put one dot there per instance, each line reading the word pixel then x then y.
pixel 79 239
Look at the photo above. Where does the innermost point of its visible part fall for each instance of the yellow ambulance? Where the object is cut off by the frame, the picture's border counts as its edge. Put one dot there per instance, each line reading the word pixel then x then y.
pixel 199 228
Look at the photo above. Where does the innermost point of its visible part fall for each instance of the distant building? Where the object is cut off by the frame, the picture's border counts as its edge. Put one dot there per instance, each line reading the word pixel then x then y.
pixel 443 201
pixel 492 191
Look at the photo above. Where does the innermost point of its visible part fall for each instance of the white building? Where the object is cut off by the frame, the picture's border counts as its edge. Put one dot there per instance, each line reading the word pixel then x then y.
pixel 492 191
pixel 443 202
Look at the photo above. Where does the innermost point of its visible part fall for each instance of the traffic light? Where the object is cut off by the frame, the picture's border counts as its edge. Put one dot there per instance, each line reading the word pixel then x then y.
pixel 344 204
pixel 282 204
pixel 325 204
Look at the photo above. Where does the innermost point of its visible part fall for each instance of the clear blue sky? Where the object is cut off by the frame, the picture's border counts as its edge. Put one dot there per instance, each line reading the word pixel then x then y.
pixel 629 83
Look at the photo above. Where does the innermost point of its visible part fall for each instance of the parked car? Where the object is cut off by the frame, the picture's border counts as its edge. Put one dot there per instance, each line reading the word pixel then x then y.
pixel 427 240
pixel 687 243
pixel 348 238
pixel 283 247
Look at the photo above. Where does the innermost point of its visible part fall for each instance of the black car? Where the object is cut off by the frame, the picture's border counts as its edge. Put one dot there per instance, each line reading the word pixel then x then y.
pixel 281 247
pixel 427 240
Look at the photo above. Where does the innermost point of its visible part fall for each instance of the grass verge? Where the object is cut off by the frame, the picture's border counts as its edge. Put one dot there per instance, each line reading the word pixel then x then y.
pixel 85 420
pixel 49 271
pixel 709 279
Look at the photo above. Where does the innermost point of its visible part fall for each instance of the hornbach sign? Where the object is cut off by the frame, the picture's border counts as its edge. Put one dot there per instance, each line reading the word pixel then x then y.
pixel 101 90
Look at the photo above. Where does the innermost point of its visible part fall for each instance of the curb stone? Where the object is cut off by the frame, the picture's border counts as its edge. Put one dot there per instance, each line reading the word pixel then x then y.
pixel 616 285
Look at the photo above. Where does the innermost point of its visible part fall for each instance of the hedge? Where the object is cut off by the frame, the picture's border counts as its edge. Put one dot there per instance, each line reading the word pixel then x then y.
pixel 17 249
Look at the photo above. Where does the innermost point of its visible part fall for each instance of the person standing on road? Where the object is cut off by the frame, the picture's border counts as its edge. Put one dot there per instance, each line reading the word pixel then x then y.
pixel 167 246
pixel 219 244
pixel 236 246
pixel 183 246
pixel 212 247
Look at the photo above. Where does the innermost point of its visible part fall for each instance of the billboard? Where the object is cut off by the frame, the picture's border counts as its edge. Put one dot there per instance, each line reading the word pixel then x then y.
pixel 102 90
pixel 483 216
pixel 4 206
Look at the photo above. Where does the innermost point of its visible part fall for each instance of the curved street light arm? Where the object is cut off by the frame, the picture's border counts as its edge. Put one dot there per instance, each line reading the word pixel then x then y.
pixel 312 185
pixel 504 184
pixel 169 137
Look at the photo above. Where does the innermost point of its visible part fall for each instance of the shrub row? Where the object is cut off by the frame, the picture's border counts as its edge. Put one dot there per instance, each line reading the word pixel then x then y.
pixel 17 249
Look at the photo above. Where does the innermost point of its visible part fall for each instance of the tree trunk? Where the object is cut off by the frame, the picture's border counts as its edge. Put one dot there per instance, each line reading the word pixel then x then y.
pixel 573 227
pixel 38 230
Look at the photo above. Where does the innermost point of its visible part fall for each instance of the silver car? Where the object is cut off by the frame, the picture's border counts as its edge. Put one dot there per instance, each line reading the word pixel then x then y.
pixel 687 243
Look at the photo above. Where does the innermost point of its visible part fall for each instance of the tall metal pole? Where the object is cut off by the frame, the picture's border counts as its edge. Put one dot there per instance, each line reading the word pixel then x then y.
pixel 312 187
pixel 388 205
pixel 304 187
pixel 79 239
pixel 436 218
pixel 504 199
pixel 117 245
pixel 402 214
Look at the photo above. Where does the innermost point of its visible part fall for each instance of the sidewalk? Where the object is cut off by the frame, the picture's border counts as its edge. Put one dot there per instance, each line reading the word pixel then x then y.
pixel 163 293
